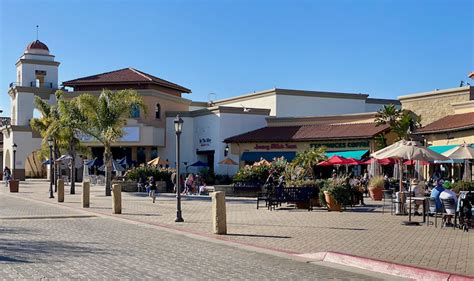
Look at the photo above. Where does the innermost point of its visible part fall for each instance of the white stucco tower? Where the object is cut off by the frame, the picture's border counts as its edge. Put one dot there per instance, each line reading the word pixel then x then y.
pixel 36 75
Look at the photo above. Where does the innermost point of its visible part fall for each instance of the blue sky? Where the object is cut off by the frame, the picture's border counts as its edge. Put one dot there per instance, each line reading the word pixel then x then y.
pixel 382 48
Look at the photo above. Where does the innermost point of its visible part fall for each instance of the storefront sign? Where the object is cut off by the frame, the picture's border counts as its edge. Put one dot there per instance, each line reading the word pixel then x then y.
pixel 356 144
pixel 273 146
pixel 205 142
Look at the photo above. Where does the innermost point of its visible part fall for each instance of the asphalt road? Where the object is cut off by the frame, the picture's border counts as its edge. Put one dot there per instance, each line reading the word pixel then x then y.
pixel 39 241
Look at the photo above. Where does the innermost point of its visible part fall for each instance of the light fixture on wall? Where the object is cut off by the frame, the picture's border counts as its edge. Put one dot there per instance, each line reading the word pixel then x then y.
pixel 226 150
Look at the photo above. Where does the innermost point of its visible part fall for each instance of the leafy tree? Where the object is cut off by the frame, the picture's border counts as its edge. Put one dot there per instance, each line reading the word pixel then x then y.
pixel 401 122
pixel 54 124
pixel 103 117
pixel 308 160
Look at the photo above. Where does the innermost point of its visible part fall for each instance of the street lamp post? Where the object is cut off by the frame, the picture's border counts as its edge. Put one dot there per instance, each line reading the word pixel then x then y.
pixel 14 160
pixel 51 170
pixel 178 127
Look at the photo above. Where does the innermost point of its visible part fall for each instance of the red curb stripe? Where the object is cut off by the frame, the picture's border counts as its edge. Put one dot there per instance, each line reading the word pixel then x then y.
pixel 391 268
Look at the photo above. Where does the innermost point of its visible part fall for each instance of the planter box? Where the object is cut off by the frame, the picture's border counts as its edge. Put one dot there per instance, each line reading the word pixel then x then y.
pixel 229 191
pixel 376 194
pixel 14 185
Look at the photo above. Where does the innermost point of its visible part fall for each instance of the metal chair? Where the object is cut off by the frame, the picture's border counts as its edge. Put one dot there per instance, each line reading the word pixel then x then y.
pixel 448 204
pixel 432 210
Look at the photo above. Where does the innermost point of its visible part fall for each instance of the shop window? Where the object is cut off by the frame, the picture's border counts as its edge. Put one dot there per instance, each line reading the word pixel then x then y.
pixel 158 111
pixel 154 152
pixel 135 111
pixel 141 156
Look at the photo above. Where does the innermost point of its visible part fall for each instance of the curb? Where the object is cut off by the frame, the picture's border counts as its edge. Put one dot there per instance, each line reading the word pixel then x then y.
pixel 390 268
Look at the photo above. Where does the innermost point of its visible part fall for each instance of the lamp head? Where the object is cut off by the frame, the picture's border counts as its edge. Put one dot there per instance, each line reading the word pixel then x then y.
pixel 14 147
pixel 178 124
pixel 50 142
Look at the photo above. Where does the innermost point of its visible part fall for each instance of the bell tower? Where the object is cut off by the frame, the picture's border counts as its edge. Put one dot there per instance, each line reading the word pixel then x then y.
pixel 36 75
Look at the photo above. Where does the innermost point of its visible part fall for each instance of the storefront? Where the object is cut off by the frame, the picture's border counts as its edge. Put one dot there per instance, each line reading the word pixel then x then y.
pixel 350 140
pixel 445 134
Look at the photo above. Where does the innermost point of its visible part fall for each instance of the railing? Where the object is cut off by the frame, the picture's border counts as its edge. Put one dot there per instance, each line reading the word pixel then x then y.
pixel 33 84
pixel 36 84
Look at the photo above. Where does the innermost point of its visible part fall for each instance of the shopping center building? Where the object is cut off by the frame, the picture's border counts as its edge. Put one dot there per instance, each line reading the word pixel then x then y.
pixel 206 124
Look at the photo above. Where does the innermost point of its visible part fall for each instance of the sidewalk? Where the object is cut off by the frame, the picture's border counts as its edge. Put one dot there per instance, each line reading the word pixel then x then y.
pixel 364 231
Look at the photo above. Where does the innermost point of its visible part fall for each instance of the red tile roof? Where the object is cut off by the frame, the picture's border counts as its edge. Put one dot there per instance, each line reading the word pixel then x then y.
pixel 125 76
pixel 453 122
pixel 37 44
pixel 310 132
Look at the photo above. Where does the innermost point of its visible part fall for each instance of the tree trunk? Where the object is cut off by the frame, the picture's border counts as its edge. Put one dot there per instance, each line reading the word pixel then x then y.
pixel 73 168
pixel 108 169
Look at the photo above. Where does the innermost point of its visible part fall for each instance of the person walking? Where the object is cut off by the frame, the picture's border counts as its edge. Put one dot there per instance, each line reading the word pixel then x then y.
pixel 174 180
pixel 7 174
pixel 152 185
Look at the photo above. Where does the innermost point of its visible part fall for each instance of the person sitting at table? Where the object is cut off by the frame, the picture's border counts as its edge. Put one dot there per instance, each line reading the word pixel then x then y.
pixel 435 192
pixel 449 194
pixel 418 190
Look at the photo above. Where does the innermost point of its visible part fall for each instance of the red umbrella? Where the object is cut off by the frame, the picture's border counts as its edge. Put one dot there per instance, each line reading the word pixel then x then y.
pixel 413 162
pixel 353 161
pixel 385 161
pixel 337 160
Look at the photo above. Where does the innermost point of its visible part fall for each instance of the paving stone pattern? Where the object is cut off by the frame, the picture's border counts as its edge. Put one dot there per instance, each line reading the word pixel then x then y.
pixel 48 247
pixel 362 231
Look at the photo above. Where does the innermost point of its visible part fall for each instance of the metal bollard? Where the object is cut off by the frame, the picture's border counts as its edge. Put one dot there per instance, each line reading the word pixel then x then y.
pixel 86 194
pixel 219 220
pixel 117 199
pixel 60 184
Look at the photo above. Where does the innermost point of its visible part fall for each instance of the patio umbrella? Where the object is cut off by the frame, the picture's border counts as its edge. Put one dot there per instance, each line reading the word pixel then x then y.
pixel 228 162
pixel 116 167
pixel 64 158
pixel 46 162
pixel 462 152
pixel 157 161
pixel 336 160
pixel 415 162
pixel 199 164
pixel 408 150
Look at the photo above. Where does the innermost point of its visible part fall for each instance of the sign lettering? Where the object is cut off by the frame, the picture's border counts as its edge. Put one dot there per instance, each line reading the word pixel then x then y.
pixel 274 146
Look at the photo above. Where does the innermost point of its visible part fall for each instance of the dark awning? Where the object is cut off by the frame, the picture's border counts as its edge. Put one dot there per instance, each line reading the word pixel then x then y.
pixel 256 156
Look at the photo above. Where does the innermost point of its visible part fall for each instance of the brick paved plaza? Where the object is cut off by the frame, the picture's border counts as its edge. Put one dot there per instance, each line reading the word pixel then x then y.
pixel 363 231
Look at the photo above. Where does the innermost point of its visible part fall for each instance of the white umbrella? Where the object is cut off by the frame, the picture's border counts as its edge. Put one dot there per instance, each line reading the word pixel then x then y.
pixel 462 152
pixel 408 150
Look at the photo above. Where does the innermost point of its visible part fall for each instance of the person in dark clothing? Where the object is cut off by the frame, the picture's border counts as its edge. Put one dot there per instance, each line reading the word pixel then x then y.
pixel 152 186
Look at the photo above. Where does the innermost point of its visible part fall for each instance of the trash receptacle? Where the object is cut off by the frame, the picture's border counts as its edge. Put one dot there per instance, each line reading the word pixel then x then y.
pixel 14 185
pixel 400 203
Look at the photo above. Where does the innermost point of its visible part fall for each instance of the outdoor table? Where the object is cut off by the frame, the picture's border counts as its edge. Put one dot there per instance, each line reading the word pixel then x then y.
pixel 424 199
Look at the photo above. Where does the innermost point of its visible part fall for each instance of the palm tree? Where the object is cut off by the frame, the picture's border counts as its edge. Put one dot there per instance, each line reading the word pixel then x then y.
pixel 401 122
pixel 308 159
pixel 54 124
pixel 49 117
pixel 103 118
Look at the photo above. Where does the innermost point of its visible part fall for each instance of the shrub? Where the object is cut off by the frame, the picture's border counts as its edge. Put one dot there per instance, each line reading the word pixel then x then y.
pixel 377 182
pixel 463 186
pixel 160 174
pixel 339 189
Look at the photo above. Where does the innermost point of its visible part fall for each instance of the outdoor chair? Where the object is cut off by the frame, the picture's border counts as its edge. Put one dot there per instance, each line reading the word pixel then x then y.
pixel 448 204
pixel 432 210
pixel 100 180
pixel 388 194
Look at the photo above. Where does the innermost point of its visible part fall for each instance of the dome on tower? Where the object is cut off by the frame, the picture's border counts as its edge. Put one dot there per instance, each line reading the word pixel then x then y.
pixel 37 45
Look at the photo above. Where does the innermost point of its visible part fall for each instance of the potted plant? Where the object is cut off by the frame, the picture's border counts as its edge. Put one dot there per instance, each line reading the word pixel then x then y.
pixel 335 194
pixel 376 185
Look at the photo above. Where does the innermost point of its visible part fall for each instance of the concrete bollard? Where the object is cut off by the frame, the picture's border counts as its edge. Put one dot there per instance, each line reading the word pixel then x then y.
pixel 86 194
pixel 60 184
pixel 219 220
pixel 117 199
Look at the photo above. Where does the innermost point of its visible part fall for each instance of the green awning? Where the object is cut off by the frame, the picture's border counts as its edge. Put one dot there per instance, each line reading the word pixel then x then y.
pixel 256 156
pixel 441 148
pixel 356 154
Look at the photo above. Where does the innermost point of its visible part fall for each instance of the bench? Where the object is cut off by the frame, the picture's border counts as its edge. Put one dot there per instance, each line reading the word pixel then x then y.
pixel 276 196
